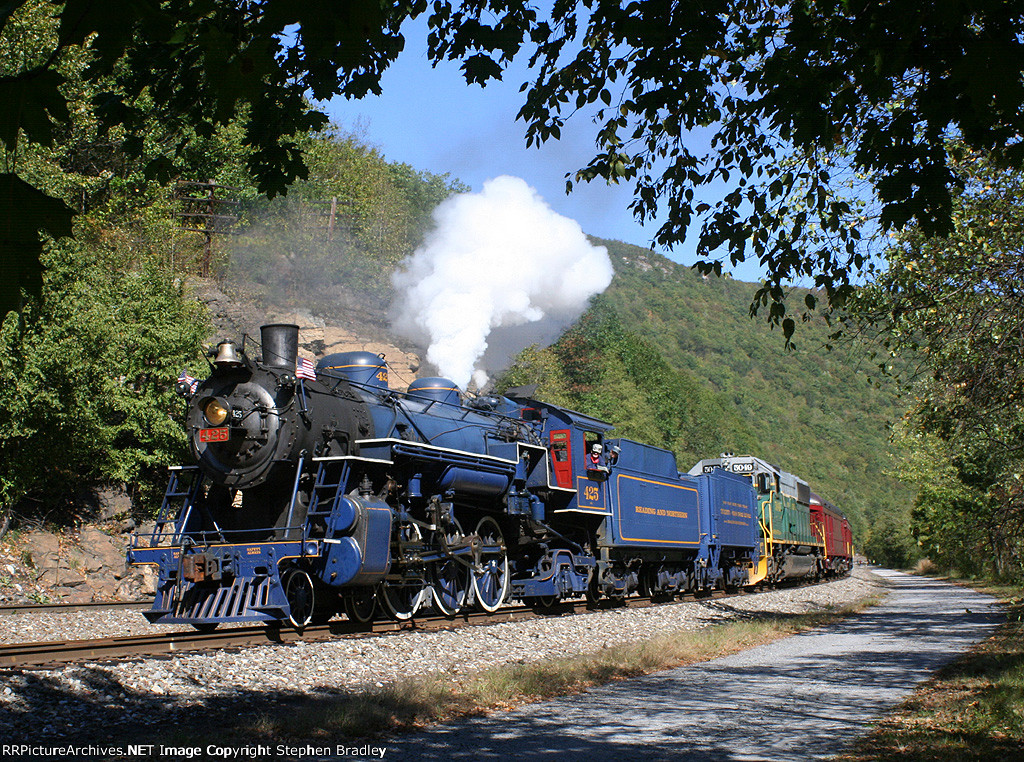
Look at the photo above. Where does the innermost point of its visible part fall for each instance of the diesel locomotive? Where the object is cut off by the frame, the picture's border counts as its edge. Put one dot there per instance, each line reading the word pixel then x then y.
pixel 319 490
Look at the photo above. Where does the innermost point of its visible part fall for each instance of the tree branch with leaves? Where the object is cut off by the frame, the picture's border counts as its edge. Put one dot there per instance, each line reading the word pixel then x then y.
pixel 774 88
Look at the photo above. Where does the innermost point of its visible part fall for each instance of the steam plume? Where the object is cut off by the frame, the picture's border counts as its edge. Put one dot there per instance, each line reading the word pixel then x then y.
pixel 500 271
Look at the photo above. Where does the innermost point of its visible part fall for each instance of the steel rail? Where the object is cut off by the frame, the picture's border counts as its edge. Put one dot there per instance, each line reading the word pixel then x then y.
pixel 49 654
pixel 55 653
pixel 66 608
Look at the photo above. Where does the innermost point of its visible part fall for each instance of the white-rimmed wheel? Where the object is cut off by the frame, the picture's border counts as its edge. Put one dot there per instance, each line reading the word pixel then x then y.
pixel 361 606
pixel 491 577
pixel 450 576
pixel 401 600
pixel 298 590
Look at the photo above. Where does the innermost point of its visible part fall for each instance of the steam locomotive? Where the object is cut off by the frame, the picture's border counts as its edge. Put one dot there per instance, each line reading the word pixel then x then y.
pixel 319 490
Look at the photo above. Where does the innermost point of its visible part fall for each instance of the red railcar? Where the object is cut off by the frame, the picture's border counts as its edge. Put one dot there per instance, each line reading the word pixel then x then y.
pixel 832 528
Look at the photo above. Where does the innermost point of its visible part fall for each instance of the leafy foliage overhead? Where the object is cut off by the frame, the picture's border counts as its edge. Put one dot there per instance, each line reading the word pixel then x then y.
pixel 191 65
pixel 778 85
pixel 954 306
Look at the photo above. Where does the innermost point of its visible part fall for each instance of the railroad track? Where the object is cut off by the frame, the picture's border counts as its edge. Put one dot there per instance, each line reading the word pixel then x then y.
pixel 66 608
pixel 52 654
pixel 56 653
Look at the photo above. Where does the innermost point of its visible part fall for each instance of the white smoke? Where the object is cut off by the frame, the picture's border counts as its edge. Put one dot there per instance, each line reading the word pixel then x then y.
pixel 499 272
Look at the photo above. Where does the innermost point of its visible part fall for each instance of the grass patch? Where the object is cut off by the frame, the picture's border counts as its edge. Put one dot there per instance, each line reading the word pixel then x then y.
pixel 428 699
pixel 973 709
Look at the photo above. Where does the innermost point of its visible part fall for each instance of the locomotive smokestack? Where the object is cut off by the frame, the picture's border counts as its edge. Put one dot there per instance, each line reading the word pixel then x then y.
pixel 280 345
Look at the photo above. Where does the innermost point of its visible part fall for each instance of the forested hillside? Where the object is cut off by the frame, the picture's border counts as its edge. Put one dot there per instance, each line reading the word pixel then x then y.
pixel 823 413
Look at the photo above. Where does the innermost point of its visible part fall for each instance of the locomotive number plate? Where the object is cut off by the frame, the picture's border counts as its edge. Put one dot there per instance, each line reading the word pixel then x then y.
pixel 214 435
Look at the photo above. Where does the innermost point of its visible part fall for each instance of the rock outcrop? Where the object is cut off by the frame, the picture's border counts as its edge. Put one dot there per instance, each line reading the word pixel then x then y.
pixel 73 566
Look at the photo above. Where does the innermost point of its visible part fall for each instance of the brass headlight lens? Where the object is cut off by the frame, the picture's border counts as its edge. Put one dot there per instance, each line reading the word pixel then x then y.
pixel 216 412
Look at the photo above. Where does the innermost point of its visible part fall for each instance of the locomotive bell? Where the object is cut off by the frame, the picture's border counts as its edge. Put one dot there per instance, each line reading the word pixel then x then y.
pixel 227 355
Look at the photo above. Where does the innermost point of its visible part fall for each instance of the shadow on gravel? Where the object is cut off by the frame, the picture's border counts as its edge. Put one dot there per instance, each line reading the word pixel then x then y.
pixel 103 712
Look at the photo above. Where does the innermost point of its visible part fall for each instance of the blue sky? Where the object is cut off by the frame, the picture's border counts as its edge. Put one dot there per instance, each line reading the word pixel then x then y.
pixel 432 120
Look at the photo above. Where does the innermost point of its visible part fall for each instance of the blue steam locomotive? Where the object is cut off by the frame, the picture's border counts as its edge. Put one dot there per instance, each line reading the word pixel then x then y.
pixel 327 491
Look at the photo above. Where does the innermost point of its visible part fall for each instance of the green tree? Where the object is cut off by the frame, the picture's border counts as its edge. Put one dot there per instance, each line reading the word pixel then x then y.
pixel 190 66
pixel 87 374
pixel 953 308
pixel 889 541
pixel 538 365
pixel 293 249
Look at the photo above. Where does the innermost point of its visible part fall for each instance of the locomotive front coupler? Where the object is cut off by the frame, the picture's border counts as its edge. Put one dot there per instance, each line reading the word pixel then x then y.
pixel 203 567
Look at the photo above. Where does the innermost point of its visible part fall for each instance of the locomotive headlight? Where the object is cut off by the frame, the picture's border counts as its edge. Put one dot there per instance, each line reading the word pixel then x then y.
pixel 216 412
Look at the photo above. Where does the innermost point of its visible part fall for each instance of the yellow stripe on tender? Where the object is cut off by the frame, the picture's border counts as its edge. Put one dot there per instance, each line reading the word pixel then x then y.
pixel 341 367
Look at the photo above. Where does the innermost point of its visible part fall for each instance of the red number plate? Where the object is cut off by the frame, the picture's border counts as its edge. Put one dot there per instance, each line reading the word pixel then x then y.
pixel 214 435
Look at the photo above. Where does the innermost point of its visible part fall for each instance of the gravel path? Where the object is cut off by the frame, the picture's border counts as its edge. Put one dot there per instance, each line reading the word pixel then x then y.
pixel 803 697
pixel 42 704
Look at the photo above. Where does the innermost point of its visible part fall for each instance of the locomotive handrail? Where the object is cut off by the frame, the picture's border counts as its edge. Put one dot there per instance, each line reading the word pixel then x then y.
pixel 405 443
pixel 820 531
pixel 547 467
pixel 327 458
pixel 226 537
pixel 506 467
pixel 295 492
